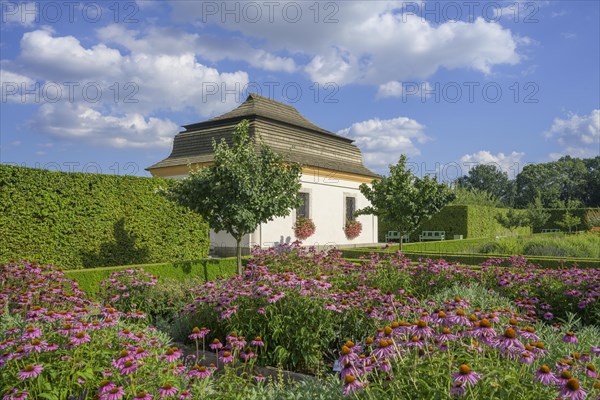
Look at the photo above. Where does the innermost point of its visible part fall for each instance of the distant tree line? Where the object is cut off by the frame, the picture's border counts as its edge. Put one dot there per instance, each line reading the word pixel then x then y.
pixel 565 181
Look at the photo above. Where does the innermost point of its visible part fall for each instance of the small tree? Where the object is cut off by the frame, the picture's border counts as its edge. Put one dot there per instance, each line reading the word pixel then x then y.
pixel 569 221
pixel 511 220
pixel 245 186
pixel 536 215
pixel 403 199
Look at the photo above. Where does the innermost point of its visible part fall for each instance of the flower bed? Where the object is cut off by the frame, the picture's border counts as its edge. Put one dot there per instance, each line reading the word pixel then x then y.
pixel 435 329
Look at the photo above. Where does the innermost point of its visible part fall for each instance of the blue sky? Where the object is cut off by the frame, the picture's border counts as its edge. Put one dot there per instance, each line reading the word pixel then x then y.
pixel 104 86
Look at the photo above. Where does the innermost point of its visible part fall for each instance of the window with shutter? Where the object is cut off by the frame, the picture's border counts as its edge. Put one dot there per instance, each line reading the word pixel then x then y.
pixel 303 210
pixel 350 208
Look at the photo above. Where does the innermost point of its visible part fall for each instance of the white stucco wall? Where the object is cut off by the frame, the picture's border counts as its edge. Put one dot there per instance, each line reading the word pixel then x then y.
pixel 327 210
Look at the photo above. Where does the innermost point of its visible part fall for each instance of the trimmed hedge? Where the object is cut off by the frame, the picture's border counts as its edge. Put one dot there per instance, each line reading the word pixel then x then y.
pixel 475 259
pixel 77 220
pixel 209 269
pixel 469 221
pixel 557 214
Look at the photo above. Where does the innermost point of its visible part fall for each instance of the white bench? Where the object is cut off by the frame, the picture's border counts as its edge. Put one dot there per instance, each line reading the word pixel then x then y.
pixel 550 230
pixel 395 235
pixel 432 235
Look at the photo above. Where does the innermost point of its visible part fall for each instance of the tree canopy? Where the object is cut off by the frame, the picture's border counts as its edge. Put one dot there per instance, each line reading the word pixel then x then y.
pixel 404 199
pixel 248 184
pixel 489 178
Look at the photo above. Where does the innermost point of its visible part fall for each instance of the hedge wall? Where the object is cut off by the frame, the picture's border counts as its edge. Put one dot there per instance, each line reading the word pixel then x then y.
pixel 76 220
pixel 209 269
pixel 557 214
pixel 475 259
pixel 469 221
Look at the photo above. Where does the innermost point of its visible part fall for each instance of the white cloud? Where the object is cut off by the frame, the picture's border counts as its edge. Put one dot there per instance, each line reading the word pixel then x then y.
pixel 418 90
pixel 79 122
pixel 23 14
pixel 579 136
pixel 510 163
pixel 128 88
pixel 568 35
pixel 383 141
pixel 211 48
pixel 371 42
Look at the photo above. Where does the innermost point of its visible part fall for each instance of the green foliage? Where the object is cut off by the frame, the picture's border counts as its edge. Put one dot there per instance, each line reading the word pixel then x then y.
pixel 404 199
pixel 592 218
pixel 490 179
pixel 536 215
pixel 80 220
pixel 242 189
pixel 474 197
pixel 567 178
pixel 569 221
pixel 512 220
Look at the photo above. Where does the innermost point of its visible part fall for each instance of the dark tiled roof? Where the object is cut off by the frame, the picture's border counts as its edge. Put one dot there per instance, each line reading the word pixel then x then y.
pixel 280 126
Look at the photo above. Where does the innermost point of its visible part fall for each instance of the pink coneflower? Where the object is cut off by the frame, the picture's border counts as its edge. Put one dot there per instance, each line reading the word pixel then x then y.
pixel 14 394
pixel 446 335
pixel 508 341
pixel 184 395
pixel 30 371
pixel 198 333
pixel 465 375
pixel 259 378
pixel 80 338
pixel 199 371
pixel 484 330
pixel 106 386
pixel 129 367
pixel 572 390
pixel 595 350
pixel 258 342
pixel 351 385
pixel 31 332
pixel 226 357
pixel 172 354
pixel 590 370
pixel 458 389
pixel 529 334
pixel 459 318
pixel 421 329
pixel 526 357
pixel 247 354
pixel 116 393
pixel 216 344
pixel 570 338
pixel 36 346
pixel 564 377
pixel 167 390
pixel 143 396
pixel 545 376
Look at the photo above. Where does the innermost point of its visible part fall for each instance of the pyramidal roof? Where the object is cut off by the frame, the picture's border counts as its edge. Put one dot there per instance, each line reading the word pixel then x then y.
pixel 280 126
pixel 260 106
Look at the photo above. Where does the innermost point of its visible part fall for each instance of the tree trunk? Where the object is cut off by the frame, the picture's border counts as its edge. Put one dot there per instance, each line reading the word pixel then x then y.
pixel 238 250
pixel 401 239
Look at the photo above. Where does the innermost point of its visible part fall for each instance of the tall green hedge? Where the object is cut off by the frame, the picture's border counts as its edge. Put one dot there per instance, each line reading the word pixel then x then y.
pixel 557 214
pixel 469 221
pixel 76 220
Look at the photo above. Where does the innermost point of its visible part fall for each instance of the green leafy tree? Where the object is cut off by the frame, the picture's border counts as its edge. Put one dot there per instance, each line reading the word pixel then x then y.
pixel 404 200
pixel 512 220
pixel 536 215
pixel 489 178
pixel 248 184
pixel 569 221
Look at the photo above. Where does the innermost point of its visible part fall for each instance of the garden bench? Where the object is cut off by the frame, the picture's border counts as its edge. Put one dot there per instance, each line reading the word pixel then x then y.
pixel 550 230
pixel 395 235
pixel 432 235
